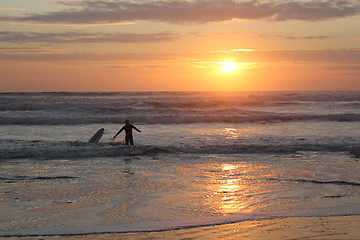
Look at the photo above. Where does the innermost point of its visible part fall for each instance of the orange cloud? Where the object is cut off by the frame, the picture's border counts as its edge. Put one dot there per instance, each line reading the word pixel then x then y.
pixel 343 56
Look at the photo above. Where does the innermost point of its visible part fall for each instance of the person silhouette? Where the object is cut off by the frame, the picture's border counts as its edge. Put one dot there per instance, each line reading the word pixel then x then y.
pixel 128 132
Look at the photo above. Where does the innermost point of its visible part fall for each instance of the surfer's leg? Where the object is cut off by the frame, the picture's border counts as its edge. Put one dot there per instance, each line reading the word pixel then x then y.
pixel 131 141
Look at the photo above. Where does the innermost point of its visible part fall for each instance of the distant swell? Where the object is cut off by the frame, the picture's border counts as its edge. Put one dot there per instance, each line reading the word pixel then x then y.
pixel 71 108
pixel 181 118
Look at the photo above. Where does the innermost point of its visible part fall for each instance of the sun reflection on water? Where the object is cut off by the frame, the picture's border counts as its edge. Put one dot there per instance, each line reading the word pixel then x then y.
pixel 231 133
pixel 231 189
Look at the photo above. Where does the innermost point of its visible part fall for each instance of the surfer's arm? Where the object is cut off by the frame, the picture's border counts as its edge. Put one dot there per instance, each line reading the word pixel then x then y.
pixel 119 132
pixel 136 129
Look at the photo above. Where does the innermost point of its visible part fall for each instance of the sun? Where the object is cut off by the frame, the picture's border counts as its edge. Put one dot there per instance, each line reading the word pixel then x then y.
pixel 228 66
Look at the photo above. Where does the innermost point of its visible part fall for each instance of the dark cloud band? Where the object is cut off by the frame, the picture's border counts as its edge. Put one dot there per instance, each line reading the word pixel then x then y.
pixel 81 37
pixel 193 12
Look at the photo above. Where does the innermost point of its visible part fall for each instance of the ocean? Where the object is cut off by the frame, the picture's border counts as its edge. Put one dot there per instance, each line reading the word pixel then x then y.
pixel 202 158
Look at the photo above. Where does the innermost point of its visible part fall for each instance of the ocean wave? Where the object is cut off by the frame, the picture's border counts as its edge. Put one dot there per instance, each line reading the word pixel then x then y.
pixel 30 178
pixel 127 94
pixel 16 149
pixel 174 224
pixel 175 99
pixel 67 108
pixel 347 183
pixel 172 118
pixel 185 104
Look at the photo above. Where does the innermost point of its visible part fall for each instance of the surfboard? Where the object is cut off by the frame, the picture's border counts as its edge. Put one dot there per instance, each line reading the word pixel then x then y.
pixel 97 136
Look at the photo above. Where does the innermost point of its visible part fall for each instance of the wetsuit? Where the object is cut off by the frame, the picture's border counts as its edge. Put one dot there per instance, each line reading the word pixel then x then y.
pixel 128 133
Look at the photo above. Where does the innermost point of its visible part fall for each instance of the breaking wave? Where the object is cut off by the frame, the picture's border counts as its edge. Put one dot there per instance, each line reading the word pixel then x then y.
pixel 16 149
pixel 178 118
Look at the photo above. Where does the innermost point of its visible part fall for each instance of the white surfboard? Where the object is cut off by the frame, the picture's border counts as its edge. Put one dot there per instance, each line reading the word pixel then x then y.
pixel 97 136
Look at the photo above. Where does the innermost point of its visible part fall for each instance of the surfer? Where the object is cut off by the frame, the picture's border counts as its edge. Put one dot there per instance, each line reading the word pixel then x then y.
pixel 128 132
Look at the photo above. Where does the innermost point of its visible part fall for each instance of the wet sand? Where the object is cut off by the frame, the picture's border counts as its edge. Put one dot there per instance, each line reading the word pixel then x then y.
pixel 342 227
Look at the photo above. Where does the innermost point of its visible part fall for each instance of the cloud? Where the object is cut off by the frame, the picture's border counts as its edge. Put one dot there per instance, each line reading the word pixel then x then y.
pixel 317 37
pixel 350 68
pixel 80 58
pixel 12 9
pixel 339 56
pixel 292 37
pixel 307 37
pixel 349 56
pixel 317 56
pixel 81 37
pixel 193 12
pixel 33 50
pixel 345 70
pixel 4 17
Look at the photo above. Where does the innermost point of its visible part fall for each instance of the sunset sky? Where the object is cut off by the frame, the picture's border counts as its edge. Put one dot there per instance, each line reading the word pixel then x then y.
pixel 168 45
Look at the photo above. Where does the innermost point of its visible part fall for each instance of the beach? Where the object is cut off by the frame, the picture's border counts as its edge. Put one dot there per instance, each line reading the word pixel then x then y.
pixel 341 227
pixel 279 165
pixel 180 119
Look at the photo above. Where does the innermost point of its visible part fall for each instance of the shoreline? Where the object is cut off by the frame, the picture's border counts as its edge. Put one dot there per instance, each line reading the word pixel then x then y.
pixel 334 227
